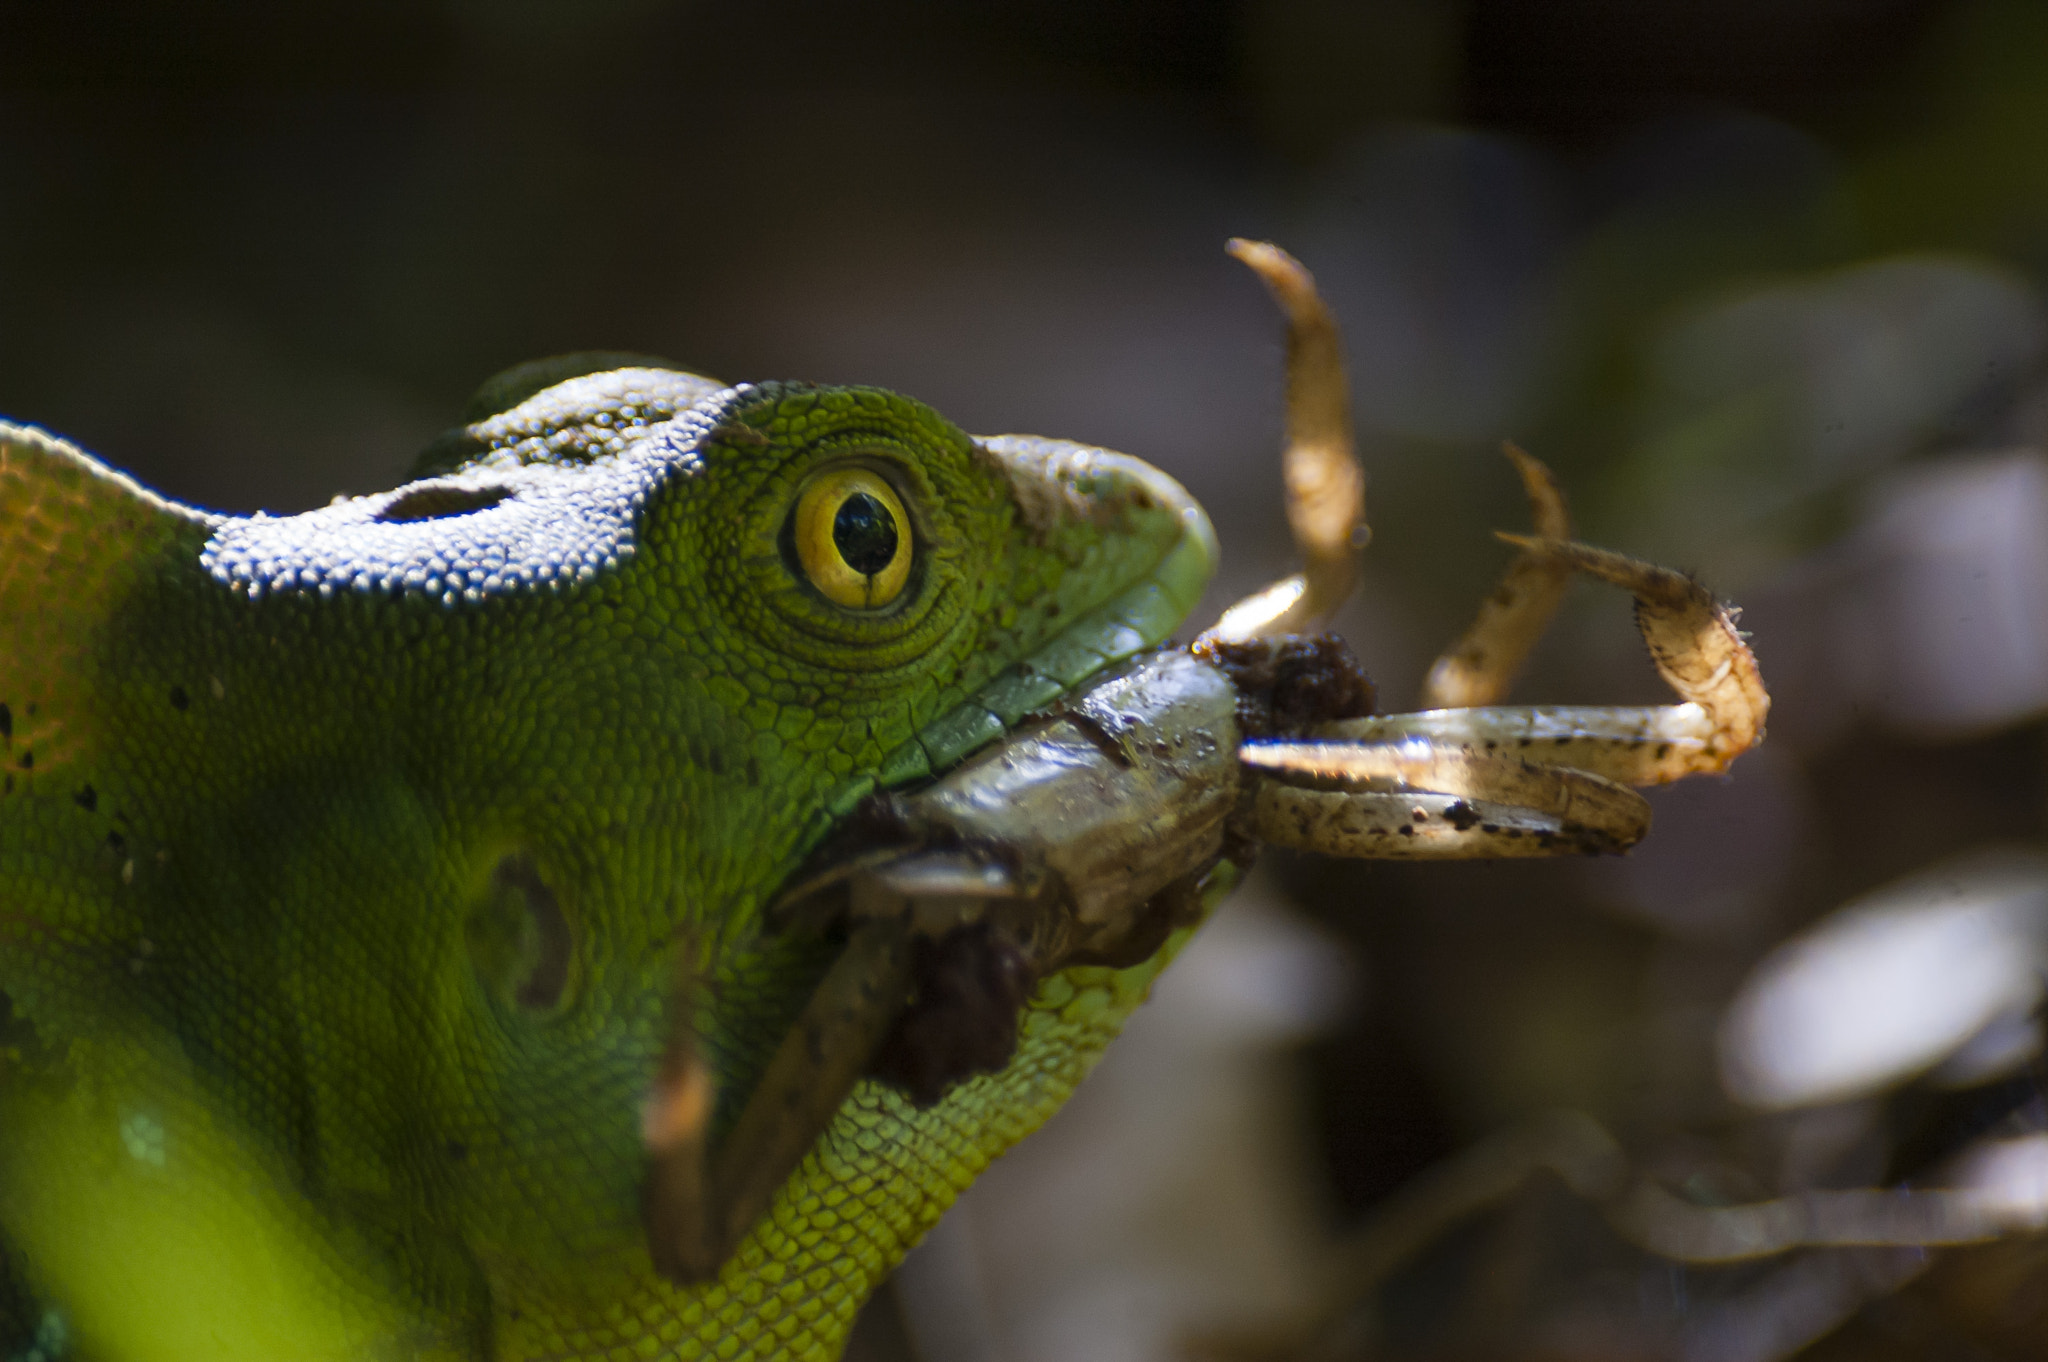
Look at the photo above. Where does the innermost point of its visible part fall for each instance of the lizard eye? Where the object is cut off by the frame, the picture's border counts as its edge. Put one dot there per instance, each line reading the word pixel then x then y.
pixel 852 538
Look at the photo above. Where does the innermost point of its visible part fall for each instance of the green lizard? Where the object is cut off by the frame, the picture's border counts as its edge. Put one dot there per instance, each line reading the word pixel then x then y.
pixel 346 858
pixel 471 921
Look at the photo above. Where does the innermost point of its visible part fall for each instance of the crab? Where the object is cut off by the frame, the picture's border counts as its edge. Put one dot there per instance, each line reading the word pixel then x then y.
pixel 1093 832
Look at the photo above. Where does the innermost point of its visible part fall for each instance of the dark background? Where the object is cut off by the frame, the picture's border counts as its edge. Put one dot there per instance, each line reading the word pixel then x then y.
pixel 1761 280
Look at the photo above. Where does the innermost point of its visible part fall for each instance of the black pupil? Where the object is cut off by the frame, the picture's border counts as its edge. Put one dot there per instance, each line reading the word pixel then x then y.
pixel 865 534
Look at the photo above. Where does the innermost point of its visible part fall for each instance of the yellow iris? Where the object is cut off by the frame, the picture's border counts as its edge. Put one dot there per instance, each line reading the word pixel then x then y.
pixel 853 538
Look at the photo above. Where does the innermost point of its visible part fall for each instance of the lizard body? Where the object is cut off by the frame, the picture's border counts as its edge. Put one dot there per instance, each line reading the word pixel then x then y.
pixel 345 859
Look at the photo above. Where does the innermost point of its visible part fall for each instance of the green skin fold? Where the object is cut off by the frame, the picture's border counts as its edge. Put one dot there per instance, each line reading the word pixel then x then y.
pixel 289 1068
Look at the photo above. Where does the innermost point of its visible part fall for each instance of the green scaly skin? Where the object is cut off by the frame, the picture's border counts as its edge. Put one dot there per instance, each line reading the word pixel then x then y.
pixel 274 1081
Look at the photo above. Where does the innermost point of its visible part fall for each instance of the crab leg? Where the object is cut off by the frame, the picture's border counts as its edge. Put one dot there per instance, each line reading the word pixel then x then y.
pixel 1479 668
pixel 1325 485
pixel 1697 650
pixel 1457 780
pixel 1458 803
pixel 697 1202
pixel 1532 781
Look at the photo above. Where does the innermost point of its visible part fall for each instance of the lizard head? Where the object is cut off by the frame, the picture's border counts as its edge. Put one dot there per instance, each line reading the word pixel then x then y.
pixel 817 592
pixel 390 818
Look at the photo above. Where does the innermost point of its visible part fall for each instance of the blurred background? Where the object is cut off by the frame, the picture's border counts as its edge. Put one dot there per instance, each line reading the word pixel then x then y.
pixel 1762 282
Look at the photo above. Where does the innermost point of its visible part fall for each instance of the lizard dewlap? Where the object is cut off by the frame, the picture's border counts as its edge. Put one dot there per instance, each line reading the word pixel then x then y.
pixel 347 859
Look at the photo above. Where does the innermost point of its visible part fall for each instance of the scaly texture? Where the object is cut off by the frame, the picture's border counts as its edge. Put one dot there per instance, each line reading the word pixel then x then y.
pixel 343 859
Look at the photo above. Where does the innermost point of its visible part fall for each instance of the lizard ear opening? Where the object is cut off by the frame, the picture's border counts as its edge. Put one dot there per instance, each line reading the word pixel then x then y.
pixel 438 501
pixel 520 941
